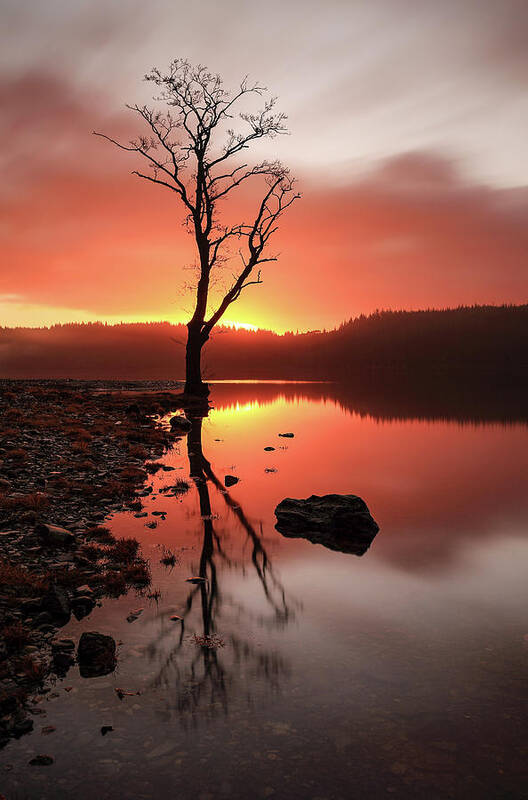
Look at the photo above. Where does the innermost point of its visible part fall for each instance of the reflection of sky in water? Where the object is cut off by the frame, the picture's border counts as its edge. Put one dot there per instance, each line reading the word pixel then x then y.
pixel 397 672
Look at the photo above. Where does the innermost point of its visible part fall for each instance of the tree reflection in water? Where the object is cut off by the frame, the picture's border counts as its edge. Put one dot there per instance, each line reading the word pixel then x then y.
pixel 213 674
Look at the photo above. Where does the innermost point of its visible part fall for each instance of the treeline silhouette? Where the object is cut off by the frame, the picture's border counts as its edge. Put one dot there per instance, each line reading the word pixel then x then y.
pixel 487 341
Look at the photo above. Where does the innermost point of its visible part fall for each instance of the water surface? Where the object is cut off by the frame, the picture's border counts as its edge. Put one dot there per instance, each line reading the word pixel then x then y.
pixel 402 672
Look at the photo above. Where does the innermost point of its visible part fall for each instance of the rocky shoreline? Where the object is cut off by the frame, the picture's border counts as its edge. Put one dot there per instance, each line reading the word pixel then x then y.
pixel 71 454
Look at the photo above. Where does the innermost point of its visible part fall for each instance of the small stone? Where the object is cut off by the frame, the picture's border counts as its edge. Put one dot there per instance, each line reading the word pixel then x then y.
pixel 65 645
pixel 230 480
pixel 48 729
pixel 41 761
pixel 84 590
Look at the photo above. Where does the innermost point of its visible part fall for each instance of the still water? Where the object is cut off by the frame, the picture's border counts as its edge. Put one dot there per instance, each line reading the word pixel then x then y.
pixel 399 673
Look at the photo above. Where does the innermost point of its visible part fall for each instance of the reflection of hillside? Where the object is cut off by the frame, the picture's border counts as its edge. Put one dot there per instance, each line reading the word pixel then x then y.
pixel 391 396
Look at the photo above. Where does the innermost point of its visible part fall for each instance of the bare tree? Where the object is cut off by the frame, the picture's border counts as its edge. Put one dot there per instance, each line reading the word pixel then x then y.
pixel 192 151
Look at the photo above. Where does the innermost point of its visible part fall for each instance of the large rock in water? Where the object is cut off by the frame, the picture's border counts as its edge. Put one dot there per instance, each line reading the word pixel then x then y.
pixel 96 654
pixel 338 521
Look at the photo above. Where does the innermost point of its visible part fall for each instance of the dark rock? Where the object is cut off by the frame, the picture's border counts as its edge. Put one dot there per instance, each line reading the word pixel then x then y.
pixel 44 618
pixel 22 727
pixel 28 516
pixel 82 606
pixel 41 761
pixel 106 729
pixel 8 698
pixel 30 605
pixel 96 654
pixel 133 616
pixel 287 435
pixel 154 467
pixel 62 661
pixel 269 448
pixel 180 424
pixel 47 628
pixel 339 522
pixel 63 645
pixel 230 480
pixel 56 603
pixel 55 536
pixel 85 590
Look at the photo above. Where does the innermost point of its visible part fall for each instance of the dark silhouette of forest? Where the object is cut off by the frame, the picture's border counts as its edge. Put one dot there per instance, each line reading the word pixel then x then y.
pixel 478 343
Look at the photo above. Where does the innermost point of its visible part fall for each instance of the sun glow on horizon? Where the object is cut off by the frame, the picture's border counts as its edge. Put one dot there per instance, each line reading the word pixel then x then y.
pixel 236 325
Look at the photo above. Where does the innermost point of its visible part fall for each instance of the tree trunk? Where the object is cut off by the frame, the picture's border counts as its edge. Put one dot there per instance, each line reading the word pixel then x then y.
pixel 193 364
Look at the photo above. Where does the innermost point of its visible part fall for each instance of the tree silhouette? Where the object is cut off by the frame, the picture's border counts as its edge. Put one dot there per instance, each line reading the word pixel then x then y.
pixel 192 151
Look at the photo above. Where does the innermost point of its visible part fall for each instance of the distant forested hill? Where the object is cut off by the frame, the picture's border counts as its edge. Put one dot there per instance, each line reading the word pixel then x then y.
pixel 488 340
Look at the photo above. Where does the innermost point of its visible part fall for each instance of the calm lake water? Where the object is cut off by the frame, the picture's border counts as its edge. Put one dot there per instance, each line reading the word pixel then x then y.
pixel 399 673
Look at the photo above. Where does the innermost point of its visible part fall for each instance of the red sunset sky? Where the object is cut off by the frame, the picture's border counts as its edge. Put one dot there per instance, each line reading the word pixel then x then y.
pixel 408 135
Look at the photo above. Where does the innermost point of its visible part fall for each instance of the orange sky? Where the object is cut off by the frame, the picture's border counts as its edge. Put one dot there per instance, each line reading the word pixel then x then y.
pixel 411 161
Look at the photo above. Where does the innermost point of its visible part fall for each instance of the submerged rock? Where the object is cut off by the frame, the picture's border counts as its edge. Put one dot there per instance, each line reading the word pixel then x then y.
pixel 339 522
pixel 96 654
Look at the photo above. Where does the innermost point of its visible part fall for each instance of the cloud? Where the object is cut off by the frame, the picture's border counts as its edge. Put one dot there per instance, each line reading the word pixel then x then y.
pixel 360 80
pixel 79 232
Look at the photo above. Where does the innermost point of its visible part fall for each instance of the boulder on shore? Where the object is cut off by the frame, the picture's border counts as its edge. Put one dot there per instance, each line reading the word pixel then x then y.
pixel 339 522
pixel 96 654
pixel 55 536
